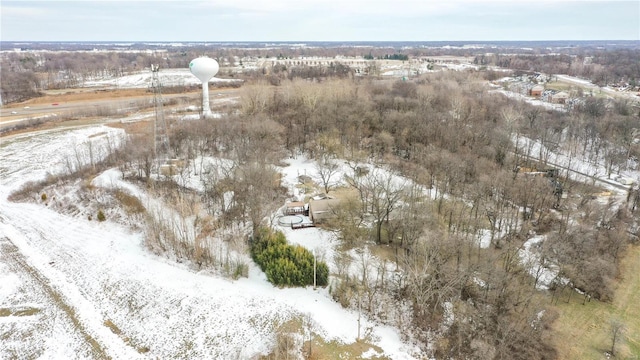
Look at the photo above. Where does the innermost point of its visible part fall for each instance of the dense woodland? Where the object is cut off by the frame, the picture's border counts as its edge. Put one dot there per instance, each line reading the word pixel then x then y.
pixel 447 135
pixel 452 141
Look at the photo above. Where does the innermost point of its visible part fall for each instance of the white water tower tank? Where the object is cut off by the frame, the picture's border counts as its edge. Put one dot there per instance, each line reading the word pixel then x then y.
pixel 204 68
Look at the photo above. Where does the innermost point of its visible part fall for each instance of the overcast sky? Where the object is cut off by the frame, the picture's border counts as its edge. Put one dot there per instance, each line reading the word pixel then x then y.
pixel 319 20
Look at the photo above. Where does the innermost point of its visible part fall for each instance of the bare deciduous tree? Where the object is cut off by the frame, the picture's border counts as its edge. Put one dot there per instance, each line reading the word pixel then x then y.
pixel 386 192
pixel 327 169
pixel 617 331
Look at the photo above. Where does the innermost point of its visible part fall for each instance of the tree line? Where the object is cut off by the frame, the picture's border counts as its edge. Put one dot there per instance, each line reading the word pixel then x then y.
pixel 29 73
pixel 451 138
pixel 601 67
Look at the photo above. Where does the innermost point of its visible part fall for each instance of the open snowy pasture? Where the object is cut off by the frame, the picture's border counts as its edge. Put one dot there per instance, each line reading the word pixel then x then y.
pixel 168 77
pixel 30 157
pixel 75 288
pixel 29 310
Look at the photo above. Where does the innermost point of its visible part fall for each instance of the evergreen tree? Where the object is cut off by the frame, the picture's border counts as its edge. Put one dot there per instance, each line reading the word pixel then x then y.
pixel 284 264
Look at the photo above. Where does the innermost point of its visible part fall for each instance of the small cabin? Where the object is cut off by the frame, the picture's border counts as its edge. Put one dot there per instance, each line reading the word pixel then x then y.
pixel 536 91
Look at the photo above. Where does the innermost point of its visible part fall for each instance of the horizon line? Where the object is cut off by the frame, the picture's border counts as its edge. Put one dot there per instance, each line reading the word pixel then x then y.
pixel 309 41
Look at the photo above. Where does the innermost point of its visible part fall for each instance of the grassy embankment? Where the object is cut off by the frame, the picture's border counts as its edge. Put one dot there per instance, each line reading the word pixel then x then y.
pixel 584 331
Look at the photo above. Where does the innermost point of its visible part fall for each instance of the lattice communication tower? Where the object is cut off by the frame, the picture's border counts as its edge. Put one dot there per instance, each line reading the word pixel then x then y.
pixel 161 148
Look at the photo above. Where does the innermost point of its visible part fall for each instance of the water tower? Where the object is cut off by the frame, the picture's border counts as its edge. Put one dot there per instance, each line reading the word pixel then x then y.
pixel 204 68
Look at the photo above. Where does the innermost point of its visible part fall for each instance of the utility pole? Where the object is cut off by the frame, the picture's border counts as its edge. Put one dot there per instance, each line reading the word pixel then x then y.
pixel 314 269
pixel 359 312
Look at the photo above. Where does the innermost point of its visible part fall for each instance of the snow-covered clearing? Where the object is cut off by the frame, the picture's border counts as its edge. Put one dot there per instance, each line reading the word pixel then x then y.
pixel 576 167
pixel 32 156
pixel 589 85
pixel 537 266
pixel 530 100
pixel 168 77
pixel 576 80
pixel 92 280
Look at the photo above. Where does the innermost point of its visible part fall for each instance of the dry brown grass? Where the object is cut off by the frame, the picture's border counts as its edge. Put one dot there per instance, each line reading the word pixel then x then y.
pixel 321 349
pixel 559 86
pixel 19 311
pixel 135 128
pixel 81 94
pixel 344 192
pixel 86 94
pixel 584 332
pixel 131 204
pixel 316 348
pixel 91 106
pixel 116 330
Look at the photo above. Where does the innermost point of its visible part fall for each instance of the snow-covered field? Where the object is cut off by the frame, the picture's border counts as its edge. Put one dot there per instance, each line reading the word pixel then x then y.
pixel 74 288
pixel 589 85
pixel 168 77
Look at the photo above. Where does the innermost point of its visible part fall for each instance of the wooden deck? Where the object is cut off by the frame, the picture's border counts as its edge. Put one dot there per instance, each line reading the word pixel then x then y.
pixel 302 225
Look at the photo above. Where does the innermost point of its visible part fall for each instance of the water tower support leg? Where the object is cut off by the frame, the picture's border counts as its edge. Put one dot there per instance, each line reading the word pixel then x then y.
pixel 206 110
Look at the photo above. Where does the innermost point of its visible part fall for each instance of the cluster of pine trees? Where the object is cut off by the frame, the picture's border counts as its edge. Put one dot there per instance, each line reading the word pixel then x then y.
pixel 396 56
pixel 284 264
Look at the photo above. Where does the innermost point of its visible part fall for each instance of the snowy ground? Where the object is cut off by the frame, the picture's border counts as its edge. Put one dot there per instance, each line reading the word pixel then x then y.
pixel 575 168
pixel 168 77
pixel 86 289
pixel 578 168
pixel 530 100
pixel 183 77
pixel 536 265
pixel 589 85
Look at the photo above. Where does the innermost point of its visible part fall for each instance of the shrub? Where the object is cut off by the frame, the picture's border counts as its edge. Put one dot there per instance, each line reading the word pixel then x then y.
pixel 132 204
pixel 240 270
pixel 284 264
pixel 27 190
pixel 43 197
pixel 101 216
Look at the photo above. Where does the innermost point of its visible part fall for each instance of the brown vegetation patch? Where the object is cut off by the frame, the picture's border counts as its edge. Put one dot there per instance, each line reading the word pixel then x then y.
pixel 315 347
pixel 116 330
pixel 144 127
pixel 86 94
pixel 132 204
pixel 318 348
pixel 19 311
